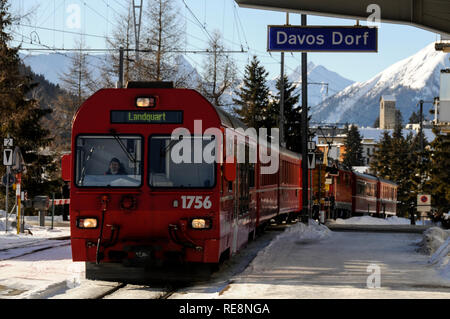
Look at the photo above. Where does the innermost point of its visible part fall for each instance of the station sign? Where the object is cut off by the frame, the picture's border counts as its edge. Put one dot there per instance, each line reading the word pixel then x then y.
pixel 322 39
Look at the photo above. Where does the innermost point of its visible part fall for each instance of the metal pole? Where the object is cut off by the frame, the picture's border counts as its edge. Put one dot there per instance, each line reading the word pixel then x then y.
pixel 8 172
pixel 121 68
pixel 421 127
pixel 304 124
pixel 53 209
pixel 137 31
pixel 421 142
pixel 281 124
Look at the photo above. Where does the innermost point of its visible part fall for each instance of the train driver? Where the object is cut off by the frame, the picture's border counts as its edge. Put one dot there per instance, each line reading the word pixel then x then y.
pixel 115 168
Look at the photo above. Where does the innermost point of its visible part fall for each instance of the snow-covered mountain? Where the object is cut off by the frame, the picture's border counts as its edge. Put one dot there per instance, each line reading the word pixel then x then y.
pixel 410 80
pixel 322 83
pixel 53 65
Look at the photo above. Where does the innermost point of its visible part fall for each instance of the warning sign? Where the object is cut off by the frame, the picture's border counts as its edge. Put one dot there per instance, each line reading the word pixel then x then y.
pixel 8 157
pixel 423 203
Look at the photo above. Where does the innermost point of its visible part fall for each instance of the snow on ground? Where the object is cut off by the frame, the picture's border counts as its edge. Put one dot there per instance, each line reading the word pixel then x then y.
pixel 40 275
pixel 436 242
pixel 368 220
pixel 313 262
pixel 302 262
pixel 28 269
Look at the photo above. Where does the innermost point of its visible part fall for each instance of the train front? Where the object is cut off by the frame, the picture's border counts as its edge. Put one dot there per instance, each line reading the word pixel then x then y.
pixel 140 197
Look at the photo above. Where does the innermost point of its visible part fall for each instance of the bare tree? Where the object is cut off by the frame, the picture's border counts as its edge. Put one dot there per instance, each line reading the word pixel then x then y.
pixel 123 36
pixel 78 80
pixel 164 40
pixel 219 73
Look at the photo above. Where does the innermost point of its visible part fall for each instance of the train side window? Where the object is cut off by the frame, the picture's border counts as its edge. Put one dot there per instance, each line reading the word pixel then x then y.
pixel 251 176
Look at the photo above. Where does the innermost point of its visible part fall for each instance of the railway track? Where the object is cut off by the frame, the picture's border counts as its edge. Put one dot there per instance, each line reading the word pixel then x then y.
pixel 227 270
pixel 38 247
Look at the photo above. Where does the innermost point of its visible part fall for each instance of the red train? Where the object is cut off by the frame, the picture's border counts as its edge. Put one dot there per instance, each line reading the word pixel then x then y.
pixel 135 211
pixel 356 194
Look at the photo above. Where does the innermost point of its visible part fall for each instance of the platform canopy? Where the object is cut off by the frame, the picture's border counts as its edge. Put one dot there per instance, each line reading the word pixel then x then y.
pixel 432 15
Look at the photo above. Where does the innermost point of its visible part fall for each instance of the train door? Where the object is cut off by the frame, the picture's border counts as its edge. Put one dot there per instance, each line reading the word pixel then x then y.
pixel 235 221
pixel 242 213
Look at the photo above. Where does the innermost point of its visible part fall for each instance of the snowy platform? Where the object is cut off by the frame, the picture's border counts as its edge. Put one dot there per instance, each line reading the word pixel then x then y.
pixel 417 229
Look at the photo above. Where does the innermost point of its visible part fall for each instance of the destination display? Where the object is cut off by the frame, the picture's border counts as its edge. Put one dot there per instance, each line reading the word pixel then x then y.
pixel 146 117
pixel 322 39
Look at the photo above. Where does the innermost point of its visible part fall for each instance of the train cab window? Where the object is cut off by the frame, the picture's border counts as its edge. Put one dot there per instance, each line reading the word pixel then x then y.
pixel 108 161
pixel 175 163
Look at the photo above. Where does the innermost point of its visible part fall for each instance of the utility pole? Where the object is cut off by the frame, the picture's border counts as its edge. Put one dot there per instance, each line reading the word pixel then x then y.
pixel 281 124
pixel 421 128
pixel 137 6
pixel 120 86
pixel 305 211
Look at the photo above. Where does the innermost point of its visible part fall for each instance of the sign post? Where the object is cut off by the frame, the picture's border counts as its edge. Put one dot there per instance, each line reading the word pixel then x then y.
pixel 423 203
pixel 7 161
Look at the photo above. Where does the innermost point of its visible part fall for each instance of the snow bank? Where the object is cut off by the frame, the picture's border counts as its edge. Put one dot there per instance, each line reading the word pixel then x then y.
pixel 288 241
pixel 368 220
pixel 305 234
pixel 436 242
pixel 433 238
pixel 441 258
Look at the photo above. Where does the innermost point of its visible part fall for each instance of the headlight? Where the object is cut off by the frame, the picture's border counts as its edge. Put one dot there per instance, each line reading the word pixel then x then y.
pixel 87 223
pixel 146 102
pixel 201 223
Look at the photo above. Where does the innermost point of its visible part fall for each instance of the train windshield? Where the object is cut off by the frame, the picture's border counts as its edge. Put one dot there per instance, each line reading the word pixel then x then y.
pixel 173 166
pixel 108 161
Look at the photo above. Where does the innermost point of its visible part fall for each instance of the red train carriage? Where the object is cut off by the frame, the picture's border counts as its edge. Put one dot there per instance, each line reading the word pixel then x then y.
pixel 133 205
pixel 364 194
pixel 341 189
pixel 387 198
pixel 357 194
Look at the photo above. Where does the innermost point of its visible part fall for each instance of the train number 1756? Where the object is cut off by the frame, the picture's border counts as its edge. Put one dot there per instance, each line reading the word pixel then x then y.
pixel 196 202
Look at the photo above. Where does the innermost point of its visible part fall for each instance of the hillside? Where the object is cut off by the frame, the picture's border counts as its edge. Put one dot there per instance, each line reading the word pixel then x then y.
pixel 409 80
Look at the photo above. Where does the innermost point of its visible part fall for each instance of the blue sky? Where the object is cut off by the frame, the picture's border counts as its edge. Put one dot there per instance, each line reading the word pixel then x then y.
pixel 241 27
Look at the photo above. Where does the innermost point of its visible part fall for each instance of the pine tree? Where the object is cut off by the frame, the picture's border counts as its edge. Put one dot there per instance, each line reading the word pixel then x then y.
pixel 253 97
pixel 292 114
pixel 20 114
pixel 439 173
pixel 381 158
pixel 353 148
pixel 414 118
pixel 376 124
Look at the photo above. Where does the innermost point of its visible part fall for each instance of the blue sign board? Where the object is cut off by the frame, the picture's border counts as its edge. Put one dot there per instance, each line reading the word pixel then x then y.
pixel 323 39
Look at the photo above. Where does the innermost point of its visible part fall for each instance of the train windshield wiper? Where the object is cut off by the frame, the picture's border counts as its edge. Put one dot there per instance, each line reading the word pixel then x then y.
pixel 123 147
pixel 83 170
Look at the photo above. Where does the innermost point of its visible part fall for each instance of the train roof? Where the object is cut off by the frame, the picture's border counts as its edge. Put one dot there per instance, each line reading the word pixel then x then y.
pixel 387 181
pixel 232 122
pixel 366 176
